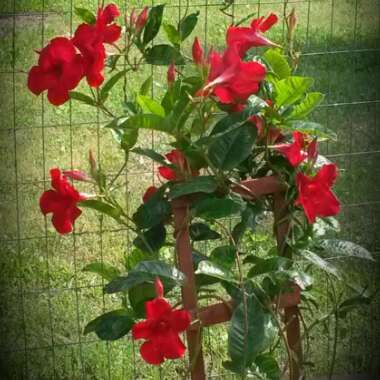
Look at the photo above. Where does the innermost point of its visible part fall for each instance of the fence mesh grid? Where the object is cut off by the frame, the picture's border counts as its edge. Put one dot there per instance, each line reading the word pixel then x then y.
pixel 46 298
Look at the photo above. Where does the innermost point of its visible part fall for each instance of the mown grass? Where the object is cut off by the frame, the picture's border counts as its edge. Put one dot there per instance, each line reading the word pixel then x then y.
pixel 47 300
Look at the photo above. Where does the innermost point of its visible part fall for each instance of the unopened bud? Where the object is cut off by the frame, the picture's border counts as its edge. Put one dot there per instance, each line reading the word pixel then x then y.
pixel 197 52
pixel 77 175
pixel 159 287
pixel 142 19
pixel 171 74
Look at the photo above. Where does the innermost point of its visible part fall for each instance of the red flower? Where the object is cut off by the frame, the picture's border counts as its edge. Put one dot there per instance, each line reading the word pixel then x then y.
pixel 231 79
pixel 171 74
pixel 294 152
pixel 89 39
pixel 177 158
pixel 59 70
pixel 315 195
pixel 247 38
pixel 161 330
pixel 150 191
pixel 62 202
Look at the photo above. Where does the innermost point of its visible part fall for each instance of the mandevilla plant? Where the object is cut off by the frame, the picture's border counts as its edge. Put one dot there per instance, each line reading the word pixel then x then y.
pixel 241 147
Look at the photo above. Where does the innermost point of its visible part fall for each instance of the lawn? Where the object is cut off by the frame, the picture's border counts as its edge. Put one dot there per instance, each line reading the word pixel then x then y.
pixel 46 298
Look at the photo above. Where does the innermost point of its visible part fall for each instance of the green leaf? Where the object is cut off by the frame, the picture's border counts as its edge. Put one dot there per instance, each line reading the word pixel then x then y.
pixel 125 136
pixel 139 295
pixel 151 240
pixel 149 105
pixel 106 88
pixel 291 89
pixel 136 256
pixel 144 121
pixel 146 272
pixel 112 325
pixel 85 15
pixel 203 184
pixel 229 150
pixel 320 263
pixel 301 110
pixel 153 23
pixel 82 98
pixel 164 55
pixel 215 208
pixel 107 271
pixel 187 25
pixel 272 264
pixel 249 332
pixel 224 256
pixel 310 128
pixel 153 212
pixel 152 154
pixel 268 366
pixel 104 208
pixel 172 34
pixel 342 248
pixel 278 63
pixel 210 269
pixel 146 87
pixel 201 232
pixel 248 221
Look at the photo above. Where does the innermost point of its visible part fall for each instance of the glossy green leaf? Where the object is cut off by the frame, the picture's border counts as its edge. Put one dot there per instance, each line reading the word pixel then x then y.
pixel 224 256
pixel 247 222
pixel 310 128
pixel 163 55
pixel 342 248
pixel 139 295
pixel 172 34
pixel 304 108
pixel 146 87
pixel 201 184
pixel 278 63
pixel 210 269
pixel 249 333
pixel 104 208
pixel 152 154
pixel 229 150
pixel 136 256
pixel 149 105
pixel 82 98
pixel 85 15
pixel 145 271
pixel 187 25
pixel 272 264
pixel 320 263
pixel 201 232
pixel 153 212
pixel 267 365
pixel 107 271
pixel 144 121
pixel 112 325
pixel 107 87
pixel 151 240
pixel 215 208
pixel 153 23
pixel 291 89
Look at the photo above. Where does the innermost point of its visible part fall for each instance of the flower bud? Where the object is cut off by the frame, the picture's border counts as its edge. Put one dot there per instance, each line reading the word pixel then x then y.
pixel 92 161
pixel 312 150
pixel 159 287
pixel 142 19
pixel 133 19
pixel 171 74
pixel 197 52
pixel 77 175
pixel 150 191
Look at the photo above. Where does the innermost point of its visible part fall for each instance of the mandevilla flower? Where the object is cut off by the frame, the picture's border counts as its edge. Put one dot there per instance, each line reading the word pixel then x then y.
pixel 150 191
pixel 231 79
pixel 294 152
pixel 61 201
pixel 315 195
pixel 161 330
pixel 59 70
pixel 89 39
pixel 247 38
pixel 177 158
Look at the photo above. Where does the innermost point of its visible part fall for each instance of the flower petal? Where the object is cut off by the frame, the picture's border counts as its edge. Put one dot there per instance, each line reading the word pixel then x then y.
pixel 58 95
pixel 180 320
pixel 151 353
pixel 36 80
pixel 63 221
pixel 49 201
pixel 142 330
pixel 157 308
pixel 111 33
pixel 167 173
pixel 171 346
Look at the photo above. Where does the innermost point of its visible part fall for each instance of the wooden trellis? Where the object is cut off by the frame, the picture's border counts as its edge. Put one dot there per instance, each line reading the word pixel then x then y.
pixel 220 312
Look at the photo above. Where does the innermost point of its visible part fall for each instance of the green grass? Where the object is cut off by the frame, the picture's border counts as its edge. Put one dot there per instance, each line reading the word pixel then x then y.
pixel 49 323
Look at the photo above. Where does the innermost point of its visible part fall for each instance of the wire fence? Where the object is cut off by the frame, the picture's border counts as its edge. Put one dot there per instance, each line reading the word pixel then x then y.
pixel 46 298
